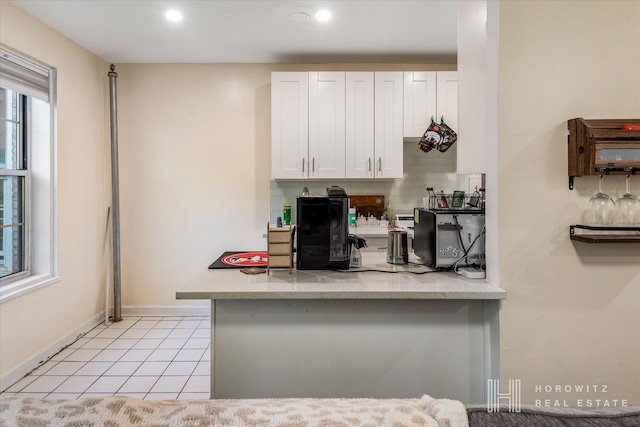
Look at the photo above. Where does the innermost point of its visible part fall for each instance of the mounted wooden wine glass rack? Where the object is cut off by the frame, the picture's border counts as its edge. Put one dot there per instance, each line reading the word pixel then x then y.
pixel 603 147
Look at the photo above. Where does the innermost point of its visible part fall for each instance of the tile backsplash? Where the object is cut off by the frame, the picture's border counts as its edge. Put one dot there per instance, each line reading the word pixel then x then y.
pixel 421 170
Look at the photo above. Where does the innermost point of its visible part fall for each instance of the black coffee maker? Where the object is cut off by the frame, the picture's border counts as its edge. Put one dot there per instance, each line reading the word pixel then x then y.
pixel 322 228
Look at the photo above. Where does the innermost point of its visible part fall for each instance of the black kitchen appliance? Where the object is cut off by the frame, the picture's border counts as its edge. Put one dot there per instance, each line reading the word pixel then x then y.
pixel 322 224
pixel 446 238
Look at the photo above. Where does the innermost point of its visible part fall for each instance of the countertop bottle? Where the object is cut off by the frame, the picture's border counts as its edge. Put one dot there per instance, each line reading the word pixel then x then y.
pixel 356 258
pixel 286 215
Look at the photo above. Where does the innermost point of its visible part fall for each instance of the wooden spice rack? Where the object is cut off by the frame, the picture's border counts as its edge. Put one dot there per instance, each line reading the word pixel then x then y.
pixel 279 247
pixel 602 234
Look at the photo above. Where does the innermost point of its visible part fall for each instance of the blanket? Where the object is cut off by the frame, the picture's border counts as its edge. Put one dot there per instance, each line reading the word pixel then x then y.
pixel 119 411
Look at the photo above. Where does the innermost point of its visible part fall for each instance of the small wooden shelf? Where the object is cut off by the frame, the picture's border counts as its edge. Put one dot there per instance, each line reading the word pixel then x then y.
pixel 603 234
pixel 589 139
pixel 279 247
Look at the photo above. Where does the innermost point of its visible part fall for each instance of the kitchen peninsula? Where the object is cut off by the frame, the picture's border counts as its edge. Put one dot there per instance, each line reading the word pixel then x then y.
pixel 400 333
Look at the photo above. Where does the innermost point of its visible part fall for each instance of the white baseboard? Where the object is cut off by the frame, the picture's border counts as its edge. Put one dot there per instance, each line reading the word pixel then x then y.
pixel 29 365
pixel 158 310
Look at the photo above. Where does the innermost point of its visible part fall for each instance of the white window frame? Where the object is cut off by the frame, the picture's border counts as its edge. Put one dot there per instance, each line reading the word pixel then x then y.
pixel 41 257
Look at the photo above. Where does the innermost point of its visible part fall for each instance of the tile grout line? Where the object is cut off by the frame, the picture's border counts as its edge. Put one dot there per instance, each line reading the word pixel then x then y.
pixel 92 359
pixel 165 370
pixel 119 359
pixel 202 324
pixel 158 347
pixel 146 359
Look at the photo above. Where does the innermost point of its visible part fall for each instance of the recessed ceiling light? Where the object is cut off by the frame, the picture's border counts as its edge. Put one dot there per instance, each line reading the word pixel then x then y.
pixel 299 16
pixel 323 15
pixel 173 15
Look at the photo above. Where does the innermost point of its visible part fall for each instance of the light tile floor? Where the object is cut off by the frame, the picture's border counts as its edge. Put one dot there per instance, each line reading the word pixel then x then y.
pixel 144 357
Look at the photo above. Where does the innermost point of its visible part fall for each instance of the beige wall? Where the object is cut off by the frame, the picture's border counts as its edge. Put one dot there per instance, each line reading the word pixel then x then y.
pixel 573 310
pixel 34 322
pixel 195 168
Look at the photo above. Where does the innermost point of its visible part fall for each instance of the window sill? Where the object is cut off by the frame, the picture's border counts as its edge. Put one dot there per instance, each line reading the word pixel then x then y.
pixel 26 285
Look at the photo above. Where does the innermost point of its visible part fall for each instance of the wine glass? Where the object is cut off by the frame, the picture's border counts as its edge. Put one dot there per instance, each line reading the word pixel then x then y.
pixel 627 210
pixel 600 208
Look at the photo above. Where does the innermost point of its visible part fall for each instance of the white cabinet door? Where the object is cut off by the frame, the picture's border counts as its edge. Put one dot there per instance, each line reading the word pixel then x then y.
pixel 419 102
pixel 388 90
pixel 360 156
pixel 289 125
pixel 326 124
pixel 447 107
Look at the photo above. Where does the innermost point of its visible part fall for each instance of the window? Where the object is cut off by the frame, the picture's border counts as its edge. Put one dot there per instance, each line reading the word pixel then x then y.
pixel 27 175
pixel 14 191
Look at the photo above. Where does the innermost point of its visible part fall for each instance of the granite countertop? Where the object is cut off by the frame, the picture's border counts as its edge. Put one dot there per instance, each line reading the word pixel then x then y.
pixel 387 282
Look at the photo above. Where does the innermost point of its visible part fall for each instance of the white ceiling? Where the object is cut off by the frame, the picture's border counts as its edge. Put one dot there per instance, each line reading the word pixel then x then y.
pixel 121 31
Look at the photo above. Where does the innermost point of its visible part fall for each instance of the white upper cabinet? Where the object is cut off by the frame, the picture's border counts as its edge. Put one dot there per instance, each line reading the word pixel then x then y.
pixel 359 125
pixel 419 101
pixel 289 125
pixel 447 104
pixel 326 125
pixel 429 94
pixel 388 117
pixel 336 125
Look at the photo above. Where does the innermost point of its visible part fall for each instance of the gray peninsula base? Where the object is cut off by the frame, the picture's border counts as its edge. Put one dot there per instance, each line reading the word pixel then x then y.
pixel 354 348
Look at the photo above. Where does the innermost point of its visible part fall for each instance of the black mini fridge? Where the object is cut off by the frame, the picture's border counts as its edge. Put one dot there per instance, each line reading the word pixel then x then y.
pixel 322 227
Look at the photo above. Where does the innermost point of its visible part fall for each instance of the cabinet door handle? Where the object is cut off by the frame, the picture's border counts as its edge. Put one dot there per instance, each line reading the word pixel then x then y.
pixel 303 165
pixel 313 165
pixel 369 164
pixel 380 164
